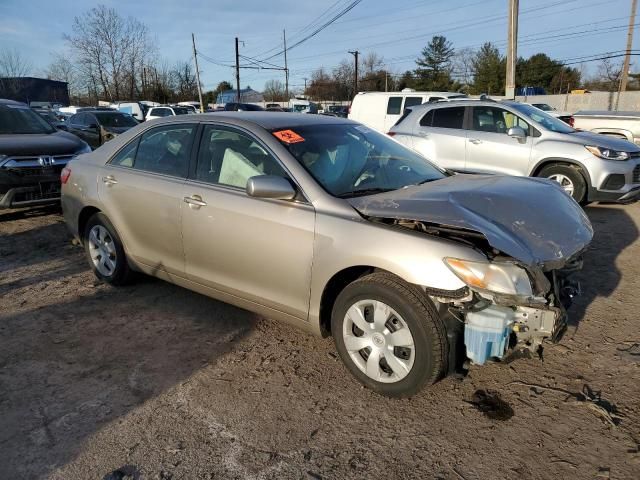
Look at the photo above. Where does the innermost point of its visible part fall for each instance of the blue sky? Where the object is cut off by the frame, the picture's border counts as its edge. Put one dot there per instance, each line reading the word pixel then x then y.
pixel 396 30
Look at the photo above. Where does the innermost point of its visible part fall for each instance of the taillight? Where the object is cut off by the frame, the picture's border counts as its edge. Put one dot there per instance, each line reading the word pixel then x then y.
pixel 65 174
pixel 391 134
pixel 572 121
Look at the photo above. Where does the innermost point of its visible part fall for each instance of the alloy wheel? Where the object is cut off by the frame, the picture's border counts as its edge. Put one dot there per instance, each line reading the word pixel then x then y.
pixel 564 181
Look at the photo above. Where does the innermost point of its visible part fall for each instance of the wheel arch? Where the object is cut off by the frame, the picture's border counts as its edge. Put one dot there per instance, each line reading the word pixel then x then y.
pixel 333 288
pixel 83 217
pixel 562 161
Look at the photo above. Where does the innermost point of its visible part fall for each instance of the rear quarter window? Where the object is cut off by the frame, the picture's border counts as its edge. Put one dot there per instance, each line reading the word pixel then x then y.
pixel 427 120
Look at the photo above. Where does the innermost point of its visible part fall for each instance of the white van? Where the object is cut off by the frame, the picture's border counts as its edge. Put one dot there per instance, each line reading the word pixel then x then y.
pixel 381 110
pixel 136 109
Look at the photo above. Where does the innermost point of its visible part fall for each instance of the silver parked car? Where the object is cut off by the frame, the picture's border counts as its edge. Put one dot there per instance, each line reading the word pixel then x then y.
pixel 518 139
pixel 337 229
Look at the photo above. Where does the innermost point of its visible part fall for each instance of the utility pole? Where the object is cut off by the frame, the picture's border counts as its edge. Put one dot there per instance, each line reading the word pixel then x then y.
pixel 627 58
pixel 512 49
pixel 286 69
pixel 237 72
pixel 355 79
pixel 305 86
pixel 195 58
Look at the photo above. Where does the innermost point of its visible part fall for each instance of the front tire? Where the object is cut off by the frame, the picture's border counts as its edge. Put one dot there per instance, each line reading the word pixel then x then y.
pixel 389 335
pixel 570 179
pixel 105 252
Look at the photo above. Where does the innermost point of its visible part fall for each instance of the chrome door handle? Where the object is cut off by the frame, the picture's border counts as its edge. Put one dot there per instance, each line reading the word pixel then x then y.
pixel 109 180
pixel 475 141
pixel 195 201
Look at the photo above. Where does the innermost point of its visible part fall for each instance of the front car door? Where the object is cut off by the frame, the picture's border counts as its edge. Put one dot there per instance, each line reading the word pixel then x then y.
pixel 141 191
pixel 490 149
pixel 254 249
pixel 91 130
pixel 440 136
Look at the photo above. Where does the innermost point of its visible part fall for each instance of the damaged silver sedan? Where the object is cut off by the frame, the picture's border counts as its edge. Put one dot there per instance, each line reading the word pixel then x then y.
pixel 336 229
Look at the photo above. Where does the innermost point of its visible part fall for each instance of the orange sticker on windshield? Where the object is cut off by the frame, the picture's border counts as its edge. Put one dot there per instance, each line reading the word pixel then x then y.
pixel 288 136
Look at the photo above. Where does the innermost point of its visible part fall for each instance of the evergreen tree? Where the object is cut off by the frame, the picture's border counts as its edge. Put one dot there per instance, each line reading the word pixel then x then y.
pixel 434 68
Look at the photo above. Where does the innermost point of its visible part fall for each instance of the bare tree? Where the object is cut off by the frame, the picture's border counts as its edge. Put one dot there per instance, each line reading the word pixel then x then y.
pixel 13 64
pixel 184 80
pixel 463 65
pixel 371 63
pixel 63 70
pixel 110 50
pixel 274 91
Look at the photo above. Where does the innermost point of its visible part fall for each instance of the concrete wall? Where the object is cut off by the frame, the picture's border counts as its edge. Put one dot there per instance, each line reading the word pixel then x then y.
pixel 629 101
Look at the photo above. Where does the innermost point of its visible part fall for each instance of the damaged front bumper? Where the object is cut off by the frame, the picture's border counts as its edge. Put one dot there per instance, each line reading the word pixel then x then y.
pixel 485 326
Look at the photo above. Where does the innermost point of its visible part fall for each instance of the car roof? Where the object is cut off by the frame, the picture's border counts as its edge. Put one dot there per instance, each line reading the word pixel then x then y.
pixel 6 101
pixel 264 119
pixel 458 103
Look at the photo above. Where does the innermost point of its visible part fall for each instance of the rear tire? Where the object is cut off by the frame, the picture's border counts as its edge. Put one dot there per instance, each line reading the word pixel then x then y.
pixel 105 252
pixel 570 178
pixel 402 345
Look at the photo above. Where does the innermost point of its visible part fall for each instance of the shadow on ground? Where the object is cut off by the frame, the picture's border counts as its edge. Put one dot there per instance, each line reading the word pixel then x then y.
pixel 601 276
pixel 73 363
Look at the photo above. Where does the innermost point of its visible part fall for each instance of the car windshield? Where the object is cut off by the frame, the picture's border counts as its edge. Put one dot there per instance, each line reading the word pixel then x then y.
pixel 115 119
pixel 16 119
pixel 352 160
pixel 544 119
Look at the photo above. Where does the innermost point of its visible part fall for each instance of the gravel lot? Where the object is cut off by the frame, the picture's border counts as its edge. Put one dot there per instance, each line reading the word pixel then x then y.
pixel 152 381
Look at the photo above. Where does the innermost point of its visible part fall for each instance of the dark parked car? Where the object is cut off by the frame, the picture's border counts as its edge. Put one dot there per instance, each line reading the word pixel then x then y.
pixel 339 110
pixel 242 107
pixel 32 155
pixel 99 126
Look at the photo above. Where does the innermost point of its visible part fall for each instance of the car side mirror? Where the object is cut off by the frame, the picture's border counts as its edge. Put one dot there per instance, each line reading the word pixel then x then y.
pixel 270 186
pixel 517 133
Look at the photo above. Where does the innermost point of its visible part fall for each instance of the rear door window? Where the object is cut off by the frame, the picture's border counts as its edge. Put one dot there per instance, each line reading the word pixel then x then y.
pixel 165 150
pixel 452 117
pixel 394 107
pixel 412 102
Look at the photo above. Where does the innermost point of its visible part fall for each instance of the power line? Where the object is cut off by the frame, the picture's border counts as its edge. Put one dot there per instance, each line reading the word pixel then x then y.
pixel 343 12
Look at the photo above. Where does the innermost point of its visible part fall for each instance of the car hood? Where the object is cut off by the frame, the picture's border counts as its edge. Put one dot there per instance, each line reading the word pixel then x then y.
pixel 531 220
pixel 605 141
pixel 57 143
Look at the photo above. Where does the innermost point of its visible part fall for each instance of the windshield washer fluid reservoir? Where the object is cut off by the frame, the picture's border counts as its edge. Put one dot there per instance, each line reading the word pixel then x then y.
pixel 486 333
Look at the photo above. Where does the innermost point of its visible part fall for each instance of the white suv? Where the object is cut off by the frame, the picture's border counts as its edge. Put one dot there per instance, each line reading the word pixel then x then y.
pixel 165 111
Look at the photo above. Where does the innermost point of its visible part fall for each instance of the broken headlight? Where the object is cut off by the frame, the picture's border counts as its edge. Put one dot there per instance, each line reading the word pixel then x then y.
pixel 607 153
pixel 505 278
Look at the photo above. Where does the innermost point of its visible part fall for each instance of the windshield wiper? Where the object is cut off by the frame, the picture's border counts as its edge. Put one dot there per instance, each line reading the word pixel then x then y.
pixel 363 191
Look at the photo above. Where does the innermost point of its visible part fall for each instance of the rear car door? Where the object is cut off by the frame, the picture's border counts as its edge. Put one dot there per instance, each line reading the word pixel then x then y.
pixel 256 249
pixel 440 136
pixel 490 149
pixel 393 113
pixel 75 125
pixel 141 190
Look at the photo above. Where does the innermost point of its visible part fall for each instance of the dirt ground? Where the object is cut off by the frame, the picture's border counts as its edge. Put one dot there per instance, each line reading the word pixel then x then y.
pixel 152 381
